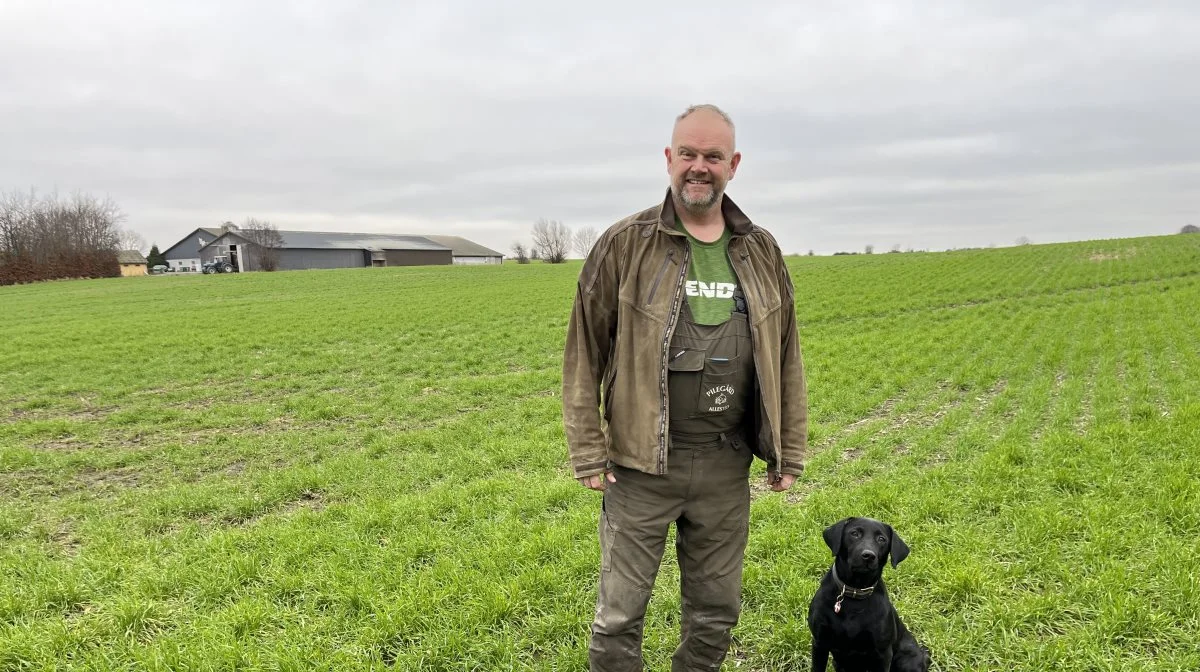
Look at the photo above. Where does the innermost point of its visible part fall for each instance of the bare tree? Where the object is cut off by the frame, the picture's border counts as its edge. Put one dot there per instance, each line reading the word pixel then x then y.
pixel 128 239
pixel 551 239
pixel 46 238
pixel 265 242
pixel 519 253
pixel 584 239
pixel 1024 240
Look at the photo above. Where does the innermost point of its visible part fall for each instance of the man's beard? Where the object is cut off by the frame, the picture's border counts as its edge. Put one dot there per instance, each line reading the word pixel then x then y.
pixel 697 204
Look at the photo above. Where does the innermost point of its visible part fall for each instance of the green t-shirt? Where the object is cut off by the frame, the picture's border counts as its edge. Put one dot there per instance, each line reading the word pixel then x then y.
pixel 710 278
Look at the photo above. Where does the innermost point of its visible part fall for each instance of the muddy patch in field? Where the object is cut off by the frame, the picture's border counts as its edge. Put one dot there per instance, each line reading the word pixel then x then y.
pixel 308 500
pixel 27 484
pixel 34 484
pixel 799 492
pixel 90 414
pixel 1112 255
pixel 68 444
pixel 63 538
pixel 104 479
pixel 85 415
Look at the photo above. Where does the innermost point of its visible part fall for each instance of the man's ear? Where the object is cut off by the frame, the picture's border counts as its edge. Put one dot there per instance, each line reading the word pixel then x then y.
pixel 898 549
pixel 833 536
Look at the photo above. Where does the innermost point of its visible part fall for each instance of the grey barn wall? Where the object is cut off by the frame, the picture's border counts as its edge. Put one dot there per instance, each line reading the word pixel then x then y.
pixel 418 257
pixel 220 247
pixel 298 260
pixel 189 248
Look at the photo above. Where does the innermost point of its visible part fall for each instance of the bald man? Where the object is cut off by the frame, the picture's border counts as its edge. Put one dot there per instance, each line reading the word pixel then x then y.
pixel 682 363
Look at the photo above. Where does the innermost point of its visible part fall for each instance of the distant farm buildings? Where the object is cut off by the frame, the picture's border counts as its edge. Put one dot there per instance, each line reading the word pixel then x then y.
pixel 132 263
pixel 302 250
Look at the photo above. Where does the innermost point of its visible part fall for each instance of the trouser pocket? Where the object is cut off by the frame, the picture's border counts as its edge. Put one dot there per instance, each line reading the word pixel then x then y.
pixel 608 534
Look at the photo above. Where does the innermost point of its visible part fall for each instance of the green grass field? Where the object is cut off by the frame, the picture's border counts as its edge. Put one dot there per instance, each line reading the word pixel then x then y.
pixel 364 469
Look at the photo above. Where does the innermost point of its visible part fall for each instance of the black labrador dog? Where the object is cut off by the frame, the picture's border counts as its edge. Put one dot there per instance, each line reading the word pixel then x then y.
pixel 850 616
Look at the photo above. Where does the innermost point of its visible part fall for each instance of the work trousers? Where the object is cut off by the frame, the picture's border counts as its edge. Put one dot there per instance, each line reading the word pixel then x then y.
pixel 706 493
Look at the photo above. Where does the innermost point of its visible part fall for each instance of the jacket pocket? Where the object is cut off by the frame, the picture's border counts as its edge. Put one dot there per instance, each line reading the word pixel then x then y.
pixel 762 294
pixel 684 368
pixel 686 359
pixel 658 278
pixel 607 391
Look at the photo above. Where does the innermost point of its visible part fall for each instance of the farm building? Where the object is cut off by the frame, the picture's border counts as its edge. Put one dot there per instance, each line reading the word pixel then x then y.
pixel 313 249
pixel 323 249
pixel 467 252
pixel 184 256
pixel 132 263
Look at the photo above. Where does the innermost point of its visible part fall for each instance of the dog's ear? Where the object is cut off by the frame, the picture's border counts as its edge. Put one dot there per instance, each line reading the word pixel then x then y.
pixel 897 549
pixel 833 536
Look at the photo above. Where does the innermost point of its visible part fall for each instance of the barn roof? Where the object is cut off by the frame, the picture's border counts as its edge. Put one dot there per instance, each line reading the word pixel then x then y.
pixel 461 247
pixel 327 240
pixel 356 241
pixel 215 233
pixel 130 257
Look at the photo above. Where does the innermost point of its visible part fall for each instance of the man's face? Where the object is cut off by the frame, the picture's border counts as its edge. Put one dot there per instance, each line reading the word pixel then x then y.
pixel 701 160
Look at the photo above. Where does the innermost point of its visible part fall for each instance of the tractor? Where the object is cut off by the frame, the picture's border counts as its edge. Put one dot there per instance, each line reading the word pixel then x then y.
pixel 217 265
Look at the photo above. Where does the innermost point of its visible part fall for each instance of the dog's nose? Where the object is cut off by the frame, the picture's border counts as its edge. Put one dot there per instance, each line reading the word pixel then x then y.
pixel 868 556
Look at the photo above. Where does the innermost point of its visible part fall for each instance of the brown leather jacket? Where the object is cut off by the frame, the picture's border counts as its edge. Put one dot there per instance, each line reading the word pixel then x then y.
pixel 627 303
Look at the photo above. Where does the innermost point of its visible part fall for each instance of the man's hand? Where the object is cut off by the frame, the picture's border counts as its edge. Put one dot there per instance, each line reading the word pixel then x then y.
pixel 780 482
pixel 597 482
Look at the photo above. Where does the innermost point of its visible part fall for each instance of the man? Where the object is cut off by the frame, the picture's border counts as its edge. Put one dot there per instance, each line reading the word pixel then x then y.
pixel 684 330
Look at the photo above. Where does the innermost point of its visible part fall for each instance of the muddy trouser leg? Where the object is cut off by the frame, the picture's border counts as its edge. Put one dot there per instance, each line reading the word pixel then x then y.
pixel 711 543
pixel 637 512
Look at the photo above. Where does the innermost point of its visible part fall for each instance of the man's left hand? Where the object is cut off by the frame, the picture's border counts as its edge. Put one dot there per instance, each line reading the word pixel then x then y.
pixel 780 482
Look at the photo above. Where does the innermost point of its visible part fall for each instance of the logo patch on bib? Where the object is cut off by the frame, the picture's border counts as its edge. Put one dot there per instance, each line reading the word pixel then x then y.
pixel 718 398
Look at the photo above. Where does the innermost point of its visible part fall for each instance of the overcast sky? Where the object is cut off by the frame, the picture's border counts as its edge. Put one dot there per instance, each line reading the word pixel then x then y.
pixel 921 124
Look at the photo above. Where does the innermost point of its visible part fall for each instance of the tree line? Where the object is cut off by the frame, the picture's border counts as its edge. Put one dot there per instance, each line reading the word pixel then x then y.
pixel 52 237
pixel 552 240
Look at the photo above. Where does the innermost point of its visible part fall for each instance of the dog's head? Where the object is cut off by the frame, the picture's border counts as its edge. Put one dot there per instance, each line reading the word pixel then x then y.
pixel 864 544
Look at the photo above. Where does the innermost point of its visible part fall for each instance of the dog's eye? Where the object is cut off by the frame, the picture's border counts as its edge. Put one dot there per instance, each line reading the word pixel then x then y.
pixel 881 539
pixel 855 533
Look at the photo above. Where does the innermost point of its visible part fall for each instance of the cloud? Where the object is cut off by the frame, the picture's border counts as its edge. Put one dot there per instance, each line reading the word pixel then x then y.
pixel 937 124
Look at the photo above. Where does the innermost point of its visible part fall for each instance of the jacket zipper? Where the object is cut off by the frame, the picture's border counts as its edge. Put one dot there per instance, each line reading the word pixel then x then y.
pixel 664 393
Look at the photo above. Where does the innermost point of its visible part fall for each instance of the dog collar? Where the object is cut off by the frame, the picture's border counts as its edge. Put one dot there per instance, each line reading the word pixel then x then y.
pixel 849 591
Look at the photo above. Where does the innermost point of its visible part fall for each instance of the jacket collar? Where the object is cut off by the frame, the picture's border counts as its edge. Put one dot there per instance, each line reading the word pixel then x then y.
pixel 737 220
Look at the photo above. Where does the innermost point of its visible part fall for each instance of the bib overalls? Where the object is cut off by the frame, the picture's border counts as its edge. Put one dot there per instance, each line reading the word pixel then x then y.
pixel 705 492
